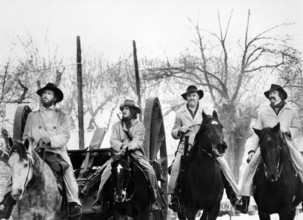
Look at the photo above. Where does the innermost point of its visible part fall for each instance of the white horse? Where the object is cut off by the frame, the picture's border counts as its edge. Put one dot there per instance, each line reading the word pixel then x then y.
pixel 34 185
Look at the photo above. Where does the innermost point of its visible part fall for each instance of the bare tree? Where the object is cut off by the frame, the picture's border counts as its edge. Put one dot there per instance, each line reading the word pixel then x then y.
pixel 228 77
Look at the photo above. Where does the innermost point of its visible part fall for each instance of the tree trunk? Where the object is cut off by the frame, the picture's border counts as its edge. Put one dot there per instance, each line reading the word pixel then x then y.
pixel 237 130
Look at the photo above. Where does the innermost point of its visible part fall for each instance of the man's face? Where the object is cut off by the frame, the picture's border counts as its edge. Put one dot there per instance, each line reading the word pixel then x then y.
pixel 125 112
pixel 192 99
pixel 274 97
pixel 48 98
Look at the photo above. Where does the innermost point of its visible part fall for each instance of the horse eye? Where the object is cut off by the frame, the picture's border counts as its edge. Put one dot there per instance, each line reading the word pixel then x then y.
pixel 26 165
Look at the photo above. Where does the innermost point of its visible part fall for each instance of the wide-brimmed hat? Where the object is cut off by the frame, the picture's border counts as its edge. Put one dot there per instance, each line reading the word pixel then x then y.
pixel 51 86
pixel 192 89
pixel 131 104
pixel 274 87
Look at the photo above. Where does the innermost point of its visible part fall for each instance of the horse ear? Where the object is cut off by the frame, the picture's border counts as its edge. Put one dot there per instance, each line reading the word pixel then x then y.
pixel 26 144
pixel 277 127
pixel 10 142
pixel 215 114
pixel 257 131
pixel 203 115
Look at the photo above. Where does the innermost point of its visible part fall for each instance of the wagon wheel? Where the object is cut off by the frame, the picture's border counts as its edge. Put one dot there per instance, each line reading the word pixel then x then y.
pixel 21 115
pixel 154 143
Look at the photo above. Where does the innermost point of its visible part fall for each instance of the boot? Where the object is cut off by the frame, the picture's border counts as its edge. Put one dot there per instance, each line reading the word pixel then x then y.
pixel 74 209
pixel 101 207
pixel 174 203
pixel 243 204
pixel 231 194
pixel 154 207
pixel 6 206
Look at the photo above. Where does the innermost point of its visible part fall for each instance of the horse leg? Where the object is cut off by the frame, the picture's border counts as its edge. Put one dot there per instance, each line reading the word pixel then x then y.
pixel 191 212
pixel 204 215
pixel 118 216
pixel 288 215
pixel 182 213
pixel 213 212
pixel 264 216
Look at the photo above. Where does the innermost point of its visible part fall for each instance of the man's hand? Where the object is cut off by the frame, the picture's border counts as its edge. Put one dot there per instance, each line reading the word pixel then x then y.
pixel 45 140
pixel 183 129
pixel 124 146
pixel 250 155
pixel 287 133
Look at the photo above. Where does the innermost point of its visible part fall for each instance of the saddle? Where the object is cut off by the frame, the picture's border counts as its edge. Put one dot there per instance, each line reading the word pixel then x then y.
pixel 58 165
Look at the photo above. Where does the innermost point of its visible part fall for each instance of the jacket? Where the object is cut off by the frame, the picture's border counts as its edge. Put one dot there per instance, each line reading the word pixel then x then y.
pixel 288 118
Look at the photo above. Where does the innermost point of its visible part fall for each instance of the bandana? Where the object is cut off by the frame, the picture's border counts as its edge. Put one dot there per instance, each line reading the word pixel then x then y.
pixel 277 108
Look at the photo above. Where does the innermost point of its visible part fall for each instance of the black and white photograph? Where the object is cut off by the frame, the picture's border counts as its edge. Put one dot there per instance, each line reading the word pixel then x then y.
pixel 151 110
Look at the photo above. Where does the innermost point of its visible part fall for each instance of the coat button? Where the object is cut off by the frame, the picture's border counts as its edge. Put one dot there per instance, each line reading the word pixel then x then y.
pixel 40 127
pixel 54 127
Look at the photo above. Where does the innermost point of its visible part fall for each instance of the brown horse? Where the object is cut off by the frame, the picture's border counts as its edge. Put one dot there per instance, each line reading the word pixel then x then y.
pixel 202 187
pixel 129 190
pixel 34 185
pixel 277 187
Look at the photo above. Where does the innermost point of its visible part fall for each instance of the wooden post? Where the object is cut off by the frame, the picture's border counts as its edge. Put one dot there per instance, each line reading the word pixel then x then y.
pixel 137 77
pixel 80 95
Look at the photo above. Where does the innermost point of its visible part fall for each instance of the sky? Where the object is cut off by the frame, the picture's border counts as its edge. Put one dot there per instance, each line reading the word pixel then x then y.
pixel 160 27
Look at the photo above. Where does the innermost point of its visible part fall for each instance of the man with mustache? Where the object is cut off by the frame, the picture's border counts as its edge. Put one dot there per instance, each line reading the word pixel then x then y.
pixel 187 123
pixel 50 127
pixel 277 111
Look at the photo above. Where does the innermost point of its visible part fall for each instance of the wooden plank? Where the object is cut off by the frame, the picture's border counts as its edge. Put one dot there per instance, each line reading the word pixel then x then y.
pixel 80 95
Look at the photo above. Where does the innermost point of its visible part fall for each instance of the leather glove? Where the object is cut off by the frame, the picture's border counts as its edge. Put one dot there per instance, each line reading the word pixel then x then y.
pixel 250 155
pixel 183 129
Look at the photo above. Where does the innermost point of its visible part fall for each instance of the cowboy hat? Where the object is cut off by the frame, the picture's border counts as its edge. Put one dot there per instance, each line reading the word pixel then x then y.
pixel 276 87
pixel 131 104
pixel 192 89
pixel 50 86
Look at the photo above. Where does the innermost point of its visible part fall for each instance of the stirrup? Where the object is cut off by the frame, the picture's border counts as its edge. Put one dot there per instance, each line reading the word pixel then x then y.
pixel 242 204
pixel 174 204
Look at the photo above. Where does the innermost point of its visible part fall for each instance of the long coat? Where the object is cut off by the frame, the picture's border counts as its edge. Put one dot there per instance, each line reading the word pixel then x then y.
pixel 53 124
pixel 288 118
pixel 118 137
pixel 184 118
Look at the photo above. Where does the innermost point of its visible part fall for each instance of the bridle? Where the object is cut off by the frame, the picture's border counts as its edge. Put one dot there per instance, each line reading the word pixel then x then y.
pixel 127 199
pixel 279 168
pixel 214 151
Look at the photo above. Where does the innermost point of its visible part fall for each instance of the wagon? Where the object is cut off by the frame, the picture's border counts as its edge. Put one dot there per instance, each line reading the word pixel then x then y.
pixel 88 163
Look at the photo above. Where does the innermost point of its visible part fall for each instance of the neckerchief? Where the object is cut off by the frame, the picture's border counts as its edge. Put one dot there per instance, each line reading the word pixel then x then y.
pixel 193 113
pixel 277 108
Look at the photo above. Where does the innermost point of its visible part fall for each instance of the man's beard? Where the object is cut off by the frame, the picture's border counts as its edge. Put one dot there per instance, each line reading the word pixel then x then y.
pixel 47 103
pixel 192 103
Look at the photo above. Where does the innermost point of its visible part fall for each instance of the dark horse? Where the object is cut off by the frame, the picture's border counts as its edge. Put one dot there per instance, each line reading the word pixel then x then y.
pixel 277 187
pixel 203 183
pixel 129 193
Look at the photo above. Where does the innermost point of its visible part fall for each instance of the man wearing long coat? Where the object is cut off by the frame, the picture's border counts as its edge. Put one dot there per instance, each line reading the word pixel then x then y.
pixel 277 111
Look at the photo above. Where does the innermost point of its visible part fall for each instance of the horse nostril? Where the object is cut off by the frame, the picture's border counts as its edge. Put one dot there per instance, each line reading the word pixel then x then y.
pixel 19 191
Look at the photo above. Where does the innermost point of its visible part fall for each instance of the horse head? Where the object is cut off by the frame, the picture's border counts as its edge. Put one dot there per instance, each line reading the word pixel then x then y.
pixel 210 136
pixel 21 165
pixel 271 145
pixel 121 176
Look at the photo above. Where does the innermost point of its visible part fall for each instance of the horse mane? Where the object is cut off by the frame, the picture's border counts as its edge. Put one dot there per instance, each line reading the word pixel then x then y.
pixel 19 149
pixel 194 150
pixel 285 149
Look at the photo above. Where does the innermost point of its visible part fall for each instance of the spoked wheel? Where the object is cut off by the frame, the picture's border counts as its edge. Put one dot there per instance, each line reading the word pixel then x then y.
pixel 20 118
pixel 155 147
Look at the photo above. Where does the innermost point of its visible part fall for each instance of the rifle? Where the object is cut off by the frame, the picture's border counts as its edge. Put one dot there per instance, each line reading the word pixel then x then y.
pixel 126 132
pixel 180 183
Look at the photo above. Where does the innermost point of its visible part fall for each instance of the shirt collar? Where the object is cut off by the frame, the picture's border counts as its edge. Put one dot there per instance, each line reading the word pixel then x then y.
pixel 42 108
